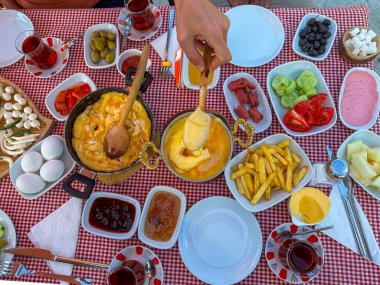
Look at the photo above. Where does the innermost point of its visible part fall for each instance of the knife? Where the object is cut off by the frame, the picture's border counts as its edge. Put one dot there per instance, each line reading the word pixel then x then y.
pixel 47 255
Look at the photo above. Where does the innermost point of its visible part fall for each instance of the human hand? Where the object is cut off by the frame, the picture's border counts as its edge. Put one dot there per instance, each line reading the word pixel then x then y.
pixel 200 20
pixel 264 3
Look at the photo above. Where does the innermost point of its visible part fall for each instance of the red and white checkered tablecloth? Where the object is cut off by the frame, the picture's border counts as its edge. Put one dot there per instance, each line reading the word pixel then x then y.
pixel 342 265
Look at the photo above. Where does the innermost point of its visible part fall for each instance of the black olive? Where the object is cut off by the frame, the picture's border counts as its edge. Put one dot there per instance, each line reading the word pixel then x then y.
pixel 326 22
pixel 308 29
pixel 314 29
pixel 321 50
pixel 311 38
pixel 312 52
pixel 316 45
pixel 303 33
pixel 301 42
pixel 323 42
pixel 306 47
pixel 318 36
pixel 311 22
pixel 326 35
pixel 323 29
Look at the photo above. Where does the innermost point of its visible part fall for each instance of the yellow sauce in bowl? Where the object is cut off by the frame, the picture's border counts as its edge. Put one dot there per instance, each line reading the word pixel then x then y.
pixel 195 75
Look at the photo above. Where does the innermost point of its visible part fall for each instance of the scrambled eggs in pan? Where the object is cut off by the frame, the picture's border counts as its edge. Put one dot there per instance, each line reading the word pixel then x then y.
pixel 91 126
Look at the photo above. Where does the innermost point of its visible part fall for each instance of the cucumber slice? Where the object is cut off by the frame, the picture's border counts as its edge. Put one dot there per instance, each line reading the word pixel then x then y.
pixel 287 101
pixel 306 80
pixel 310 92
pixel 301 92
pixel 290 88
pixel 2 231
pixel 280 92
pixel 299 99
pixel 280 82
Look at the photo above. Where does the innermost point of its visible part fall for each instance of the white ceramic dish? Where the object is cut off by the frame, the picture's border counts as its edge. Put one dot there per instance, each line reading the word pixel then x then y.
pixel 276 196
pixel 170 243
pixel 220 243
pixel 87 50
pixel 10 235
pixel 377 109
pixel 330 41
pixel 292 70
pixel 16 169
pixel 128 53
pixel 186 79
pixel 371 140
pixel 121 236
pixel 12 23
pixel 232 102
pixel 67 83
pixel 255 37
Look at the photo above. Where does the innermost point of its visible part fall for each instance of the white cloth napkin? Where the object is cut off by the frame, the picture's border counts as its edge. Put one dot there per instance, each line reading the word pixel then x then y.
pixel 342 230
pixel 58 232
pixel 159 46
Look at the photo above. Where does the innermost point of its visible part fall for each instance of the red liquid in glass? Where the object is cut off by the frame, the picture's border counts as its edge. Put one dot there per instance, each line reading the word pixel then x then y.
pixel 43 56
pixel 142 17
pixel 131 273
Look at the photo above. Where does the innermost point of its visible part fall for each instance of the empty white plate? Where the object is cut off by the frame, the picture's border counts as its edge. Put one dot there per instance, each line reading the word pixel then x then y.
pixel 12 23
pixel 255 37
pixel 220 242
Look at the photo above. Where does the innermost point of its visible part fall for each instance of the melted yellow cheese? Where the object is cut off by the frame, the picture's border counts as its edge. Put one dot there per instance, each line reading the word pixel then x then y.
pixel 91 126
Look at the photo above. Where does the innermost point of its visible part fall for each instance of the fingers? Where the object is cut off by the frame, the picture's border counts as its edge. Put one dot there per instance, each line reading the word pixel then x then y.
pixel 222 54
pixel 192 53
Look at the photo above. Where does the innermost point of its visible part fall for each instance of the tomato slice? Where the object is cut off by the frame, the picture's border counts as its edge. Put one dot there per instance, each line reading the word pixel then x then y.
pixel 325 116
pixel 71 101
pixel 321 98
pixel 60 97
pixel 78 93
pixel 308 116
pixel 296 122
pixel 302 107
pixel 85 88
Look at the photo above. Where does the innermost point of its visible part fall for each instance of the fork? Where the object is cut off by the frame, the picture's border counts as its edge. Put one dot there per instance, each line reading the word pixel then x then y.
pixel 16 269
pixel 166 65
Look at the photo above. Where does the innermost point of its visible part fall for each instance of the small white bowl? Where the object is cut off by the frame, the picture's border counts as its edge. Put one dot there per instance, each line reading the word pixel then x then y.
pixel 276 196
pixel 371 140
pixel 232 102
pixel 186 79
pixel 330 41
pixel 67 83
pixel 128 53
pixel 292 70
pixel 160 244
pixel 341 93
pixel 120 236
pixel 16 169
pixel 87 50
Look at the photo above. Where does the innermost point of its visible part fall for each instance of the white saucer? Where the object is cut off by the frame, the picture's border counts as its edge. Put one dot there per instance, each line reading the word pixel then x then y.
pixel 10 236
pixel 220 242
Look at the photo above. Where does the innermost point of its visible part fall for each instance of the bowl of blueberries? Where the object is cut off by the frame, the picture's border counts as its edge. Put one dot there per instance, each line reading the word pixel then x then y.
pixel 314 37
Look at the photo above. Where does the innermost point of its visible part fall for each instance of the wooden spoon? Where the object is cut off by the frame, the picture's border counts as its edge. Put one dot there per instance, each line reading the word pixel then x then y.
pixel 197 125
pixel 116 141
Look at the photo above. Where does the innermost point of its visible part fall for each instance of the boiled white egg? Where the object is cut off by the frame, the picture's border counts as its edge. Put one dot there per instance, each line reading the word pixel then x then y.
pixel 52 170
pixel 51 148
pixel 30 183
pixel 31 161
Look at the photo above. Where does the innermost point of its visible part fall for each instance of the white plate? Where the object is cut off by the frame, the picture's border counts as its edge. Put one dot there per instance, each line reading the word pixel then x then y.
pixel 67 83
pixel 87 50
pixel 12 23
pixel 255 37
pixel 232 102
pixel 129 53
pixel 341 93
pixel 10 235
pixel 220 243
pixel 292 70
pixel 162 244
pixel 16 169
pixel 186 79
pixel 330 41
pixel 121 236
pixel 276 196
pixel 371 140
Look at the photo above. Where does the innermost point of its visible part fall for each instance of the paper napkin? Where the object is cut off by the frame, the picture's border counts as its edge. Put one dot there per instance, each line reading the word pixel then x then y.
pixel 342 230
pixel 159 45
pixel 58 232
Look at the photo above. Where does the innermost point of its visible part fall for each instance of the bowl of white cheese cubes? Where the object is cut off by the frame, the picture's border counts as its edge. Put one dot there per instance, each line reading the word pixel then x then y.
pixel 360 44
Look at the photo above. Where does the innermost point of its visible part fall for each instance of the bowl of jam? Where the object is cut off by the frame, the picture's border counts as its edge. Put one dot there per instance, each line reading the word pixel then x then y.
pixel 130 58
pixel 111 215
pixel 162 217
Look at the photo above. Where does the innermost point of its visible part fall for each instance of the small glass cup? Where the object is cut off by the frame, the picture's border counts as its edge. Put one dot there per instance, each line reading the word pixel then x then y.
pixel 30 43
pixel 142 18
pixel 131 272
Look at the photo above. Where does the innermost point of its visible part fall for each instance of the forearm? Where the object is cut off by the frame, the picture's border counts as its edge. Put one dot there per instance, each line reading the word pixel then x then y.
pixel 10 4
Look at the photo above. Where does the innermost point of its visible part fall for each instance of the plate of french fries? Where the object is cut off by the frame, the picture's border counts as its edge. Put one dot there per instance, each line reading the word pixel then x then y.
pixel 268 172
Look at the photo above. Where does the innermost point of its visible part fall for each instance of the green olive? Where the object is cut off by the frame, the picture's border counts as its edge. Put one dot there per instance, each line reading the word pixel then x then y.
pixel 103 34
pixel 95 56
pixel 111 36
pixel 100 44
pixel 111 45
pixel 94 35
pixel 110 57
pixel 92 45
pixel 104 52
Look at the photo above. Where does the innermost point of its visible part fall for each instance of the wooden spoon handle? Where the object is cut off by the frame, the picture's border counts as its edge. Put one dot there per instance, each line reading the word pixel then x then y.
pixel 207 52
pixel 136 84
